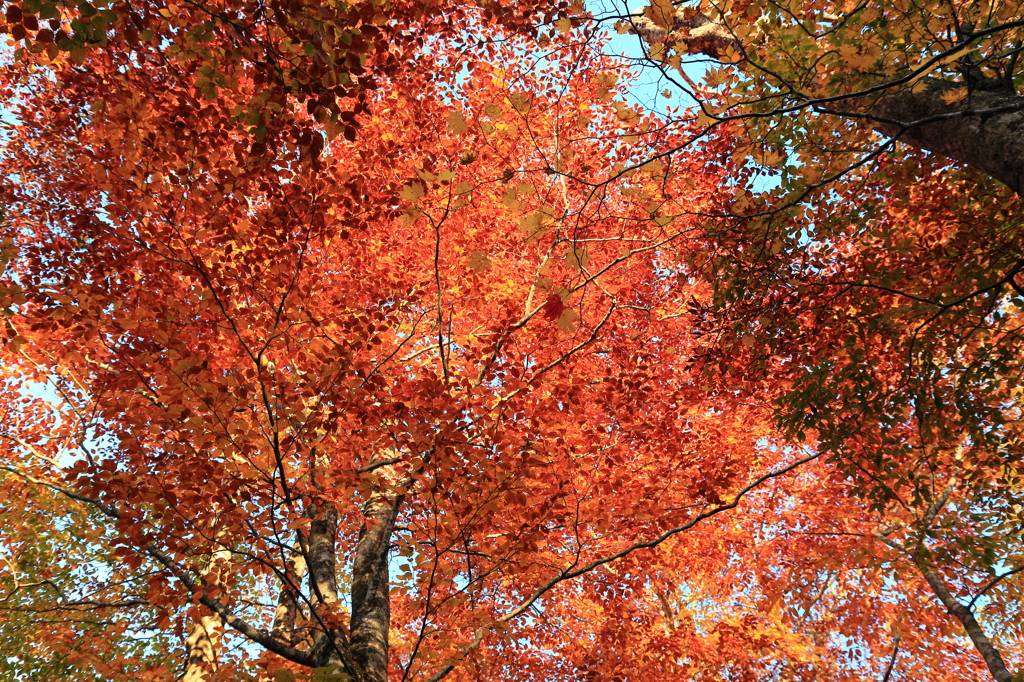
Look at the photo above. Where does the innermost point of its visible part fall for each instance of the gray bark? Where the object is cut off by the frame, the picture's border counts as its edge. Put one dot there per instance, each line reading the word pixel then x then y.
pixel 985 130
pixel 320 550
pixel 288 600
pixel 202 644
pixel 371 603
pixel 966 617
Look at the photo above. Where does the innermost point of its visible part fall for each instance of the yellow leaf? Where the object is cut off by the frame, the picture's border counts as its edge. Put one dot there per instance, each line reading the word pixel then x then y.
pixel 511 197
pixel 463 188
pixel 567 320
pixel 661 12
pixel 577 258
pixel 410 217
pixel 412 193
pixel 563 25
pixel 445 176
pixel 520 101
pixel 479 261
pixel 456 123
pixel 953 96
pixel 493 110
pixel 624 113
pixel 605 83
pixel 915 82
pixel 535 223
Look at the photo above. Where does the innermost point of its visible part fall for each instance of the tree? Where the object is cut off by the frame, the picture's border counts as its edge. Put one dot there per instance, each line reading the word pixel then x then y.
pixel 412 398
pixel 939 76
pixel 288 369
pixel 878 284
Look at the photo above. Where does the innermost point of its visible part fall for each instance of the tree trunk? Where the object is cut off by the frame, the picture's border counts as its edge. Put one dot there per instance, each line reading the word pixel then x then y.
pixel 371 603
pixel 201 649
pixel 288 600
pixel 984 130
pixel 202 643
pixel 992 143
pixel 966 617
pixel 320 548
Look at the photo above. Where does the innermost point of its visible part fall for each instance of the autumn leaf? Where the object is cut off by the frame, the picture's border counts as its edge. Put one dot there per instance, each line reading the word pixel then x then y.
pixel 479 261
pixel 624 113
pixel 567 320
pixel 553 307
pixel 412 192
pixel 257 343
pixel 955 95
pixel 661 12
pixel 577 258
pixel 535 224
pixel 520 101
pixel 456 123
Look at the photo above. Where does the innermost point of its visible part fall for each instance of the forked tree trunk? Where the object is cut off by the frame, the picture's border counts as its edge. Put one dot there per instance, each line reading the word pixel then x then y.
pixel 363 654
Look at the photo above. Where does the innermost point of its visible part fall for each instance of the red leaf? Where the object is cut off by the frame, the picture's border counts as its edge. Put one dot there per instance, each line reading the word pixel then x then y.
pixel 554 307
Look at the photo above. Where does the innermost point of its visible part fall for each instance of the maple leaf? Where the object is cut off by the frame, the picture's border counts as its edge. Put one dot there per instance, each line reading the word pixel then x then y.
pixel 955 95
pixel 456 123
pixel 553 307
pixel 535 224
pixel 567 320
pixel 661 12
pixel 479 261
pixel 577 258
pixel 520 101
pixel 412 192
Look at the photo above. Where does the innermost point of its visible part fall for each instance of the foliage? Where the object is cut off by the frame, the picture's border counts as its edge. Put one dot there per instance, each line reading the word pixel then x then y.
pixel 361 365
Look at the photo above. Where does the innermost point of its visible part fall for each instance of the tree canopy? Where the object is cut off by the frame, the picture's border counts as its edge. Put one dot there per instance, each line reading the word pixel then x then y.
pixel 409 341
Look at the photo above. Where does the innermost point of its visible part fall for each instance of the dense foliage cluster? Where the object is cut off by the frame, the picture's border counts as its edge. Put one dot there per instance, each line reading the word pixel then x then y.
pixel 402 341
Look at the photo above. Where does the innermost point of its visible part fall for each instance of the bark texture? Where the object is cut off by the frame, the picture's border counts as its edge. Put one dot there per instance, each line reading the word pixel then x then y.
pixel 201 649
pixel 966 617
pixel 202 643
pixel 320 551
pixel 371 603
pixel 985 130
pixel 288 600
